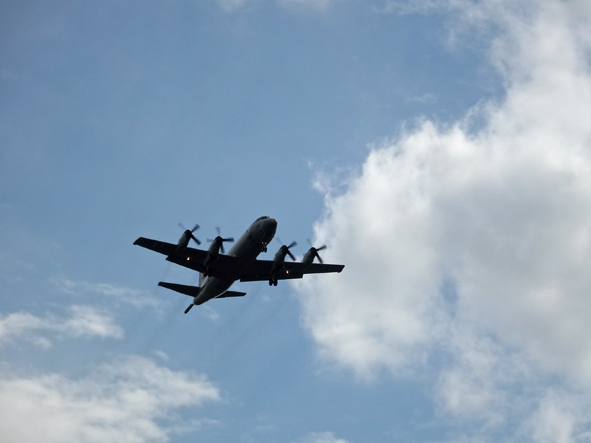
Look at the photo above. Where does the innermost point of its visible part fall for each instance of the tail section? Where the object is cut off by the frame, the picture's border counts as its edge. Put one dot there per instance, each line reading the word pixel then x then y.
pixel 193 291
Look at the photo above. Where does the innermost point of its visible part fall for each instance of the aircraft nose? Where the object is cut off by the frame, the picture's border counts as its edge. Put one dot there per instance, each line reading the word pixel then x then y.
pixel 272 224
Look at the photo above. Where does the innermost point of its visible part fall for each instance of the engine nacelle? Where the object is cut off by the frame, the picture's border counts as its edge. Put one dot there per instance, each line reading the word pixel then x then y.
pixel 311 255
pixel 216 245
pixel 185 238
pixel 279 258
pixel 279 261
pixel 309 258
pixel 183 241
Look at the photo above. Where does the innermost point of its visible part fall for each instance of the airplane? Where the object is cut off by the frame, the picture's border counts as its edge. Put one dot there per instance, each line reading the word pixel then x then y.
pixel 217 272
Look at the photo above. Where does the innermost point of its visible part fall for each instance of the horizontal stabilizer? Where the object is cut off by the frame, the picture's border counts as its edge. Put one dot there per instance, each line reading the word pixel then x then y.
pixel 191 291
pixel 232 294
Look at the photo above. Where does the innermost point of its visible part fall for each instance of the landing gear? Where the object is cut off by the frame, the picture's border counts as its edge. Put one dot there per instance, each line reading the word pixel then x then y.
pixel 273 281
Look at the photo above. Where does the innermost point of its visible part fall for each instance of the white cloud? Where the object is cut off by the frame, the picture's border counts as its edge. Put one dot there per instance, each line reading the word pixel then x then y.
pixel 124 402
pixel 84 321
pixel 211 314
pixel 470 386
pixel 88 321
pixel 477 243
pixel 321 437
pixel 134 297
pixel 553 421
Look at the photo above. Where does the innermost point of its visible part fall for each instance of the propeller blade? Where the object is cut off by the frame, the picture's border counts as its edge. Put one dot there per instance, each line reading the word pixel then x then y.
pixel 293 243
pixel 230 239
pixel 222 248
pixel 319 258
pixel 195 228
pixel 321 248
pixel 189 308
pixel 195 238
pixel 217 228
pixel 182 227
pixel 290 255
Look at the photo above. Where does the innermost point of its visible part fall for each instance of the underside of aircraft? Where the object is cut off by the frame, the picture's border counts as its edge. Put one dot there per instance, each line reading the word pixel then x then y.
pixel 218 271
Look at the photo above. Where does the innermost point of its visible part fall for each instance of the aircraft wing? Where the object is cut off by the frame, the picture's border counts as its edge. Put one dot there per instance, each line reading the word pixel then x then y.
pixel 260 270
pixel 155 245
pixel 224 267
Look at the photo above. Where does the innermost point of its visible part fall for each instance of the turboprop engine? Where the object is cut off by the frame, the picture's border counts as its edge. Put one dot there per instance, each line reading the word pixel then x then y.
pixel 279 261
pixel 185 238
pixel 217 245
pixel 311 255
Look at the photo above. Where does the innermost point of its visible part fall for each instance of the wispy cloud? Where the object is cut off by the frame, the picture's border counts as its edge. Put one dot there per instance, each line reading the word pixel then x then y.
pixel 321 437
pixel 7 74
pixel 84 321
pixel 476 243
pixel 412 6
pixel 422 99
pixel 128 401
pixel 211 314
pixel 316 5
pixel 134 297
pixel 231 6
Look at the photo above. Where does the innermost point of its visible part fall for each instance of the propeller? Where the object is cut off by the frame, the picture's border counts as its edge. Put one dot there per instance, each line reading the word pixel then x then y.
pixel 190 231
pixel 316 250
pixel 287 248
pixel 221 240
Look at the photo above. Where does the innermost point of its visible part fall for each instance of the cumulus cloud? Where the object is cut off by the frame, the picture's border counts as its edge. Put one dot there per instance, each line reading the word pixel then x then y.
pixel 84 321
pixel 477 242
pixel 130 296
pixel 130 401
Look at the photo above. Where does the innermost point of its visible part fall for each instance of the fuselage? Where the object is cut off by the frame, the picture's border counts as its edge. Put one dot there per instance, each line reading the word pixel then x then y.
pixel 247 248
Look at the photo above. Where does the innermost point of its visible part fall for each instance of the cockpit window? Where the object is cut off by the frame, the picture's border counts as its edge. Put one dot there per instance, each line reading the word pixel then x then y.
pixel 264 217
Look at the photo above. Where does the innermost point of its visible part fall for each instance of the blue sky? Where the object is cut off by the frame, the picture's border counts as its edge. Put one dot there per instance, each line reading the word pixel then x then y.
pixel 440 148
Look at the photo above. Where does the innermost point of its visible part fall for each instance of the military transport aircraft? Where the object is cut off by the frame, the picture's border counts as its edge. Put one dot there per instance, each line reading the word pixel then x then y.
pixel 217 272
